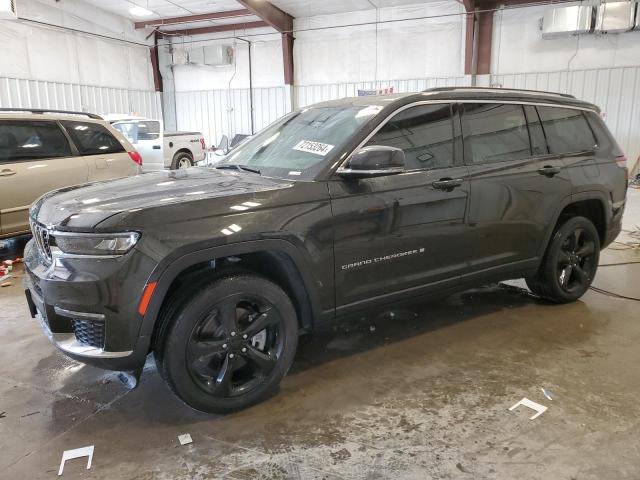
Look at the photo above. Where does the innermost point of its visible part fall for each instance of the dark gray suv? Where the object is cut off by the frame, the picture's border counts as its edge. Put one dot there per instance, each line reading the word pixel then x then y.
pixel 337 207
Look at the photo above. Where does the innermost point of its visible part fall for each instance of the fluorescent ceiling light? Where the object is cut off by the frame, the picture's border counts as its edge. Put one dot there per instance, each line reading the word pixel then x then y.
pixel 139 11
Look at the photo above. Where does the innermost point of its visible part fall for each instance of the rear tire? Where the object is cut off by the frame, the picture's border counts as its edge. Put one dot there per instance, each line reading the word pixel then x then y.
pixel 570 262
pixel 229 344
pixel 181 160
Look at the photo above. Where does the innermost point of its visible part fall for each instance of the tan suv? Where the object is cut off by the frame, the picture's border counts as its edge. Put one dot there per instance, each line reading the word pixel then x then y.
pixel 42 150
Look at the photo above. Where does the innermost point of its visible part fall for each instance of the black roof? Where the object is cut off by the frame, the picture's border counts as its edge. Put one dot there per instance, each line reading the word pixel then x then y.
pixel 464 93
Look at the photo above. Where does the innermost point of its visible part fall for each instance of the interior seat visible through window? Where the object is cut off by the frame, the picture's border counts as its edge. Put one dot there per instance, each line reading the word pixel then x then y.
pixel 424 133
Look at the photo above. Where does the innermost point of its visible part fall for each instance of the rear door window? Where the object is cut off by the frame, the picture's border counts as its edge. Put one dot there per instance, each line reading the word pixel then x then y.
pixel 536 134
pixel 92 138
pixel 495 132
pixel 424 133
pixel 566 130
pixel 31 140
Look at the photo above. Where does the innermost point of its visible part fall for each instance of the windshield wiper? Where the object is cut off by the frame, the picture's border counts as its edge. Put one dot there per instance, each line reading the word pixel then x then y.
pixel 232 166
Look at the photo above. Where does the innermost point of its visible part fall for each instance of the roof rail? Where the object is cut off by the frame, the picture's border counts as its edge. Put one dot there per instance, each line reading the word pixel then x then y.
pixel 492 89
pixel 42 111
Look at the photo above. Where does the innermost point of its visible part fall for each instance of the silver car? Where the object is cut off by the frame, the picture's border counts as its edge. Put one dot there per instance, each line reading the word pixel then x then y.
pixel 46 150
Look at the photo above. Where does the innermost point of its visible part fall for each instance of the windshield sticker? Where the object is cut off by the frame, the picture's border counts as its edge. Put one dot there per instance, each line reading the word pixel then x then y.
pixel 313 147
pixel 295 173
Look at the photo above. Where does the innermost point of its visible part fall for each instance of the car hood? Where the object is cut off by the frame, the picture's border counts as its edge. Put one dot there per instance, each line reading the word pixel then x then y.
pixel 87 205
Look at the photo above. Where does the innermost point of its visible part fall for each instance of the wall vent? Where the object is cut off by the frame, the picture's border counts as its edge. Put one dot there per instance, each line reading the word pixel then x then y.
pixel 615 17
pixel 567 21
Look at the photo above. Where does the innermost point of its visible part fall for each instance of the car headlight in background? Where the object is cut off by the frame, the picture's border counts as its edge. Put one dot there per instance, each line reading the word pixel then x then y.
pixel 94 243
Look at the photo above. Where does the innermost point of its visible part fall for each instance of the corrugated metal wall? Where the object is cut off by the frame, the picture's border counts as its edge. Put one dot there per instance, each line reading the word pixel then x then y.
pixel 615 90
pixel 308 94
pixel 21 93
pixel 227 112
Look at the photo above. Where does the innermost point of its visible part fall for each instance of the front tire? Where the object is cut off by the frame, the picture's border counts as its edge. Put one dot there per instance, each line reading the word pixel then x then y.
pixel 570 262
pixel 228 345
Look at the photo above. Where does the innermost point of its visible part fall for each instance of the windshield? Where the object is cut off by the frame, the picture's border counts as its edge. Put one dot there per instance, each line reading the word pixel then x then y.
pixel 298 146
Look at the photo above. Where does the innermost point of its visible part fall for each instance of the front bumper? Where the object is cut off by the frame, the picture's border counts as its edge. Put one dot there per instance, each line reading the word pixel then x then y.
pixel 87 307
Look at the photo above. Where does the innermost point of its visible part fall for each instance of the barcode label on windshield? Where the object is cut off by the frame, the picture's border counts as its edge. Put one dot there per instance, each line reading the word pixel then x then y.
pixel 313 147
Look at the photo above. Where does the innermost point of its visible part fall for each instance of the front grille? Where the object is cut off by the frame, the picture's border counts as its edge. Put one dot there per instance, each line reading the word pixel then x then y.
pixel 42 239
pixel 89 333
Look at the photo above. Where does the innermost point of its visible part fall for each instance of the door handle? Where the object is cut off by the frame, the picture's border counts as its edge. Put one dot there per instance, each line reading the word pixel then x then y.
pixel 157 147
pixel 447 184
pixel 6 172
pixel 549 171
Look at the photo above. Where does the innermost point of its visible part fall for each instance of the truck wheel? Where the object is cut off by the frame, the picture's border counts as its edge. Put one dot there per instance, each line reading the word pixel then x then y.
pixel 181 160
pixel 228 345
pixel 570 262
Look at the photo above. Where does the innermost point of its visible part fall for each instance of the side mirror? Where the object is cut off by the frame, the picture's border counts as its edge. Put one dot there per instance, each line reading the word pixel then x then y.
pixel 374 161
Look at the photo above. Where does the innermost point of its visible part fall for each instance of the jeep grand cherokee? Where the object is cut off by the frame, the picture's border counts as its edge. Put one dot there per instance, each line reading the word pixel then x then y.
pixel 336 207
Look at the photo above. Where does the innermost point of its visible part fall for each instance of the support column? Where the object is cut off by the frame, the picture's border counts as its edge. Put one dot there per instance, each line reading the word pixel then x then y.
pixel 287 57
pixel 485 39
pixel 155 65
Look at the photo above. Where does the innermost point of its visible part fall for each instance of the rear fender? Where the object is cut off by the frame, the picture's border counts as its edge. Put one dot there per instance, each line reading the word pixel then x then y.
pixel 568 200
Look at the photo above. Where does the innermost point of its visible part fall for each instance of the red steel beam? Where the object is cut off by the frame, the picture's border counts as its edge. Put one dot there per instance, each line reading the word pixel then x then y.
pixel 469 43
pixel 155 64
pixel 281 21
pixel 214 29
pixel 193 18
pixel 287 57
pixel 485 38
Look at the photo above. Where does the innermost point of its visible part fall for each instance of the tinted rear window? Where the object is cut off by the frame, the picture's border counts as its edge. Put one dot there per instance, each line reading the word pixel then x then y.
pixel 92 138
pixel 496 132
pixel 566 130
pixel 26 140
pixel 424 133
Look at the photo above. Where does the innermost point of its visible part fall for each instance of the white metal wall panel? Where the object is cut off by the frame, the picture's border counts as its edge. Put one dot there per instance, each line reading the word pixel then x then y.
pixel 21 93
pixel 227 112
pixel 615 90
pixel 308 94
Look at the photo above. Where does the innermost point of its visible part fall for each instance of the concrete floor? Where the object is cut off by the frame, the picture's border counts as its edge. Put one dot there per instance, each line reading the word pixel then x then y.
pixel 420 392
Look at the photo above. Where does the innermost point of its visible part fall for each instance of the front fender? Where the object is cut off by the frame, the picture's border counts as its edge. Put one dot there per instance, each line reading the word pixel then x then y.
pixel 165 273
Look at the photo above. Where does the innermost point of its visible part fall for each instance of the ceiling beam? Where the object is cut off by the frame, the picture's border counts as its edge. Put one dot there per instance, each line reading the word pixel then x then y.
pixel 213 29
pixel 281 21
pixel 193 18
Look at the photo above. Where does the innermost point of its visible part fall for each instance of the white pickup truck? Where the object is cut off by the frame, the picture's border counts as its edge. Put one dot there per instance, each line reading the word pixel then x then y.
pixel 160 149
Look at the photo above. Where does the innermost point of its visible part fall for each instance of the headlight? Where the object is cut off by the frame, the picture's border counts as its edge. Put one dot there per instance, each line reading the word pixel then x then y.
pixel 95 243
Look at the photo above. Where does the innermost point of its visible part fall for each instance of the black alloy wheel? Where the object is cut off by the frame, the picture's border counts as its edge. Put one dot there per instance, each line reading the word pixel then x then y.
pixel 234 348
pixel 570 262
pixel 576 265
pixel 225 344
